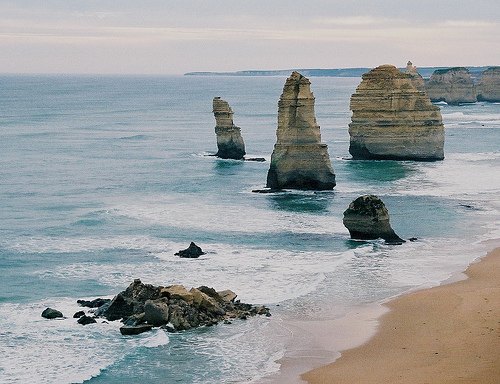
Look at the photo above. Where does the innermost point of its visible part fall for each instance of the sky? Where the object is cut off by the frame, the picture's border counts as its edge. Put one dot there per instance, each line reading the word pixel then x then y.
pixel 175 37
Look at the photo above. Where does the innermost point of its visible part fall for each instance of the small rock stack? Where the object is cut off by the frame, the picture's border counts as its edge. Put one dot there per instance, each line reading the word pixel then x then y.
pixel 453 85
pixel 229 140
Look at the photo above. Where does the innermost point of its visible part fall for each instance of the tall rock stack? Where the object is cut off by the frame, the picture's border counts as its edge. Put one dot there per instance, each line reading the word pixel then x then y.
pixel 299 160
pixel 229 140
pixel 489 89
pixel 453 85
pixel 417 80
pixel 392 120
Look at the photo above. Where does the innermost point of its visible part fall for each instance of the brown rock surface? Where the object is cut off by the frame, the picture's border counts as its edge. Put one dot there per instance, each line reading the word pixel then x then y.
pixel 229 140
pixel 299 160
pixel 417 80
pixel 393 120
pixel 453 85
pixel 489 89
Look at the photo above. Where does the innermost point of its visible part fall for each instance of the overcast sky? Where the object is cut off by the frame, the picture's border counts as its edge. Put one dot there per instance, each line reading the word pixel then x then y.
pixel 174 37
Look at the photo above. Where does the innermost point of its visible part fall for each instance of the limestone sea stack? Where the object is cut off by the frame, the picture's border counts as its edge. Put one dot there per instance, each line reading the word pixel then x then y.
pixel 489 89
pixel 229 140
pixel 417 80
pixel 367 218
pixel 392 120
pixel 299 159
pixel 453 85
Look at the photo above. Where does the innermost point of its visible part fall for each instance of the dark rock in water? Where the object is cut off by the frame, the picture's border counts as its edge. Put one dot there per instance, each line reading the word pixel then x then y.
pixel 176 308
pixel 78 314
pixel 367 218
pixel 135 329
pixel 156 312
pixel 96 303
pixel 131 301
pixel 257 159
pixel 192 252
pixel 50 313
pixel 84 320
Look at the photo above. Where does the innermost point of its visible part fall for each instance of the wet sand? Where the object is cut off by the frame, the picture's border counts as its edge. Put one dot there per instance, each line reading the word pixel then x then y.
pixel 447 334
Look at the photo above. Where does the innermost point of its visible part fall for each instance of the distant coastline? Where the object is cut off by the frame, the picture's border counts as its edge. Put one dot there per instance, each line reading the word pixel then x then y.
pixel 425 72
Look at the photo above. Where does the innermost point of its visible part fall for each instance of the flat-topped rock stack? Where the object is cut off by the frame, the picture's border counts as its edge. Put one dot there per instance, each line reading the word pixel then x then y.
pixel 299 159
pixel 230 143
pixel 453 85
pixel 489 88
pixel 392 120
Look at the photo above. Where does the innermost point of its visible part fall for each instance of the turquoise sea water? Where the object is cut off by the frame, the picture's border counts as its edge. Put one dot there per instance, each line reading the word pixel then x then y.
pixel 104 178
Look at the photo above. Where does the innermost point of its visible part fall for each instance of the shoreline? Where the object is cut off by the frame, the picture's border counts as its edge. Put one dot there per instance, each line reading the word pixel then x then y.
pixel 450 333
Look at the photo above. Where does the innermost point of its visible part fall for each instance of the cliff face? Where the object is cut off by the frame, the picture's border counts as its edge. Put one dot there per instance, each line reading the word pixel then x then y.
pixel 453 85
pixel 392 120
pixel 489 89
pixel 299 160
pixel 229 140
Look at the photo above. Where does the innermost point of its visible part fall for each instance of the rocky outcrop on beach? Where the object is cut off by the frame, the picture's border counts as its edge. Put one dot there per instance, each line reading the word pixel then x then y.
pixel 229 140
pixel 489 88
pixel 299 159
pixel 367 218
pixel 191 252
pixel 144 306
pixel 417 80
pixel 453 85
pixel 392 120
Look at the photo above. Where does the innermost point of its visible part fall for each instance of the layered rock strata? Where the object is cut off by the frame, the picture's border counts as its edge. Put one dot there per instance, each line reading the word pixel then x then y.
pixel 489 88
pixel 417 80
pixel 453 85
pixel 144 306
pixel 392 120
pixel 229 140
pixel 299 159
pixel 367 218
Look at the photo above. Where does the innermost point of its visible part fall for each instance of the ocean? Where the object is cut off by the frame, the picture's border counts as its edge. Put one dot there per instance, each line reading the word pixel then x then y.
pixel 104 178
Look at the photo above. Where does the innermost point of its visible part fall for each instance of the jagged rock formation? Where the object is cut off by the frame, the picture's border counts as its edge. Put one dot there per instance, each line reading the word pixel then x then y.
pixel 229 140
pixel 392 120
pixel 489 89
pixel 453 85
pixel 367 218
pixel 192 252
pixel 144 306
pixel 299 159
pixel 417 80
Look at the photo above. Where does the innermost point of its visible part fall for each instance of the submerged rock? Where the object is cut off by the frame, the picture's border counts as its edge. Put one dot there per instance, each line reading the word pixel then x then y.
pixel 367 218
pixel 85 320
pixel 143 306
pixel 453 85
pixel 392 120
pixel 192 252
pixel 489 88
pixel 50 313
pixel 299 159
pixel 229 140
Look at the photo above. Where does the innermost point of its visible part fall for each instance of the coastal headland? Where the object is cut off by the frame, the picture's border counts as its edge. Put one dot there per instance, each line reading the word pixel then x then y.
pixel 446 334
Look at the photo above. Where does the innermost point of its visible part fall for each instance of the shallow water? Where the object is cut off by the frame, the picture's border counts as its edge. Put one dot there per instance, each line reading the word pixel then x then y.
pixel 104 178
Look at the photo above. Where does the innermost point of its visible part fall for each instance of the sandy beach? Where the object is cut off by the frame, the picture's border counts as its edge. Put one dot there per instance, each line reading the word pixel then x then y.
pixel 446 334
